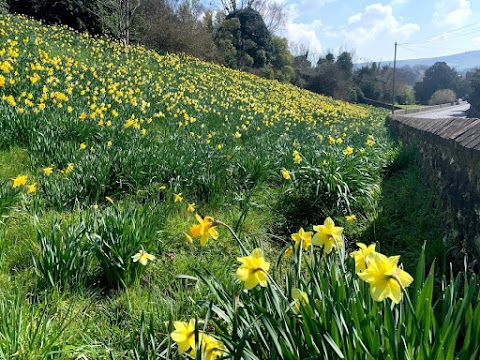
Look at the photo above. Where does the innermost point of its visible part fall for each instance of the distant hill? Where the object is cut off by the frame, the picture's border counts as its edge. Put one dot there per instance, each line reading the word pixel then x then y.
pixel 461 62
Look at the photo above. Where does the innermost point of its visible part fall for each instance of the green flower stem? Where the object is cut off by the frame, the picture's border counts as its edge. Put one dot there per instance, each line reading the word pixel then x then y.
pixel 274 284
pixel 414 314
pixel 220 223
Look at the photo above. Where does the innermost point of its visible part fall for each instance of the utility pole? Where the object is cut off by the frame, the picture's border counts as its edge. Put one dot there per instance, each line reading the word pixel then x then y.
pixel 394 72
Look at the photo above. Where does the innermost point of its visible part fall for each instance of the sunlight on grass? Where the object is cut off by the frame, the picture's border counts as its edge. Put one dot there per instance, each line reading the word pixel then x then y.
pixel 127 153
pixel 13 162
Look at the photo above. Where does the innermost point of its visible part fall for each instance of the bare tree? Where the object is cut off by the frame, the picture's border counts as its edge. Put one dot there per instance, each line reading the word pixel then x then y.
pixel 299 49
pixel 273 13
pixel 118 12
pixel 230 6
pixel 126 10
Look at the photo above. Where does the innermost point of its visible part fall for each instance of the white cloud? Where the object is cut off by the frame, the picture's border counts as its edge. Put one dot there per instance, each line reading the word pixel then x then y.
pixel 476 41
pixel 376 21
pixel 398 2
pixel 305 34
pixel 303 7
pixel 451 13
pixel 371 32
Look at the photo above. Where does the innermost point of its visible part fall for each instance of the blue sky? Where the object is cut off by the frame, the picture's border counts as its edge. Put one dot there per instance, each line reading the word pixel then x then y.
pixel 423 28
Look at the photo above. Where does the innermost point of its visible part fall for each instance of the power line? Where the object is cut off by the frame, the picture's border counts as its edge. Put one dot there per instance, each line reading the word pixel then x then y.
pixel 451 34
pixel 434 47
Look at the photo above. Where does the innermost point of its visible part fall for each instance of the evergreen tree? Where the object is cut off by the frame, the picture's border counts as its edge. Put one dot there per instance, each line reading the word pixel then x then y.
pixel 250 37
pixel 437 77
pixel 474 95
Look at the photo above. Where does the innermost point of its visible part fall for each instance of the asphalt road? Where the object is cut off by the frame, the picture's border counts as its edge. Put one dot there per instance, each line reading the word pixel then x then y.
pixel 456 111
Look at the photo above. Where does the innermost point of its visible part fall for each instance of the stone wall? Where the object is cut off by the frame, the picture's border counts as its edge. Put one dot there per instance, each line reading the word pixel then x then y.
pixel 450 151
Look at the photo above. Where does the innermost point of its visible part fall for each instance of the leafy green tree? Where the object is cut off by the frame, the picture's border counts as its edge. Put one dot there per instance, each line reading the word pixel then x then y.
pixel 438 76
pixel 406 96
pixel 252 40
pixel 326 79
pixel 82 15
pixel 228 39
pixel 303 70
pixel 345 62
pixel 333 76
pixel 281 60
pixel 4 7
pixel 368 80
pixel 442 96
pixel 474 94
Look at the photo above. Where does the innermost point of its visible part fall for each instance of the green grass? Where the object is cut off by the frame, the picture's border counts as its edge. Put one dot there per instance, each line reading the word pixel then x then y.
pixel 411 106
pixel 13 162
pixel 112 139
pixel 409 215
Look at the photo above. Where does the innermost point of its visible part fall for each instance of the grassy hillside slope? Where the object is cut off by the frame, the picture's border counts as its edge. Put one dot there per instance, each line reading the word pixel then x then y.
pixel 105 153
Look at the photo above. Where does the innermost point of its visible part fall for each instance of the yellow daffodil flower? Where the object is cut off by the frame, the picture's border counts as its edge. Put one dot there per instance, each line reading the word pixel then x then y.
pixel 184 335
pixel 68 169
pixel 351 217
pixel 253 270
pixel 191 208
pixel 177 197
pixel 361 256
pixel 142 257
pixel 300 297
pixel 19 181
pixel 385 278
pixel 48 170
pixel 189 238
pixel 302 237
pixel 296 157
pixel 210 347
pixel 348 151
pixel 285 174
pixel 204 229
pixel 31 188
pixel 328 235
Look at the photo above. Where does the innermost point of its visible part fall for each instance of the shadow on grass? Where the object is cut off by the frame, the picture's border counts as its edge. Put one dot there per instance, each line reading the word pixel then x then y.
pixel 410 214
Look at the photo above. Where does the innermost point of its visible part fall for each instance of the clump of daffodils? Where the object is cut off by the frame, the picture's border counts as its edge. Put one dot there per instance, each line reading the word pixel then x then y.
pixel 328 236
pixel 21 181
pixel 297 157
pixel 184 336
pixel 386 279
